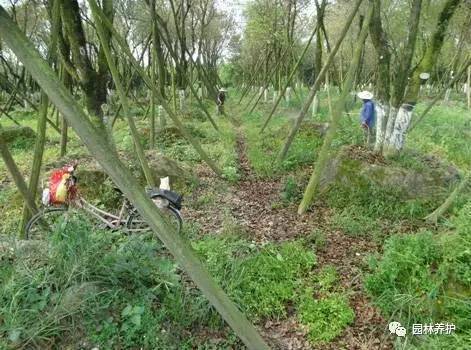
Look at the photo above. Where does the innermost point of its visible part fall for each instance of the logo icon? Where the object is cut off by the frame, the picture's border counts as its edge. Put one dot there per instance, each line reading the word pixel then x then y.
pixel 396 328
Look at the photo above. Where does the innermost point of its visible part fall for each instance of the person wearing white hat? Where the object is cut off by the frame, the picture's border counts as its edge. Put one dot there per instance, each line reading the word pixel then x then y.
pixel 367 115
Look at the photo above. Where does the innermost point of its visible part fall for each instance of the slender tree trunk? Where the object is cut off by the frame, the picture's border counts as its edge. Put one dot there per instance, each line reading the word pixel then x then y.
pixel 468 88
pixel 37 160
pixel 442 209
pixel 395 140
pixel 124 101
pixel 12 167
pixel 324 153
pixel 123 178
pixel 317 83
pixel 269 75
pixel 381 45
pixel 440 94
pixel 288 81
pixel 121 42
pixel 399 113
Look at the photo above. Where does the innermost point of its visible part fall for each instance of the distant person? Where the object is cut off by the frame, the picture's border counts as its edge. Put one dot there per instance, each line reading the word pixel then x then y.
pixel 221 97
pixel 367 115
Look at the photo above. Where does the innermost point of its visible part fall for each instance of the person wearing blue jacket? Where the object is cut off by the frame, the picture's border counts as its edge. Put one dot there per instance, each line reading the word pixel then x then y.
pixel 367 115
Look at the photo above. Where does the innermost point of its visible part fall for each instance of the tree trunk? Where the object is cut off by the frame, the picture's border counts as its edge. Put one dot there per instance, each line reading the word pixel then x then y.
pixel 395 139
pixel 468 88
pixel 383 54
pixel 37 160
pixel 10 162
pixel 317 83
pixel 440 94
pixel 288 81
pixel 121 42
pixel 122 95
pixel 323 157
pixel 435 215
pixel 124 179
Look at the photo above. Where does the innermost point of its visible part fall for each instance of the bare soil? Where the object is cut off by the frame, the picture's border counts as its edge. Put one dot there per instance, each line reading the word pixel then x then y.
pixel 249 202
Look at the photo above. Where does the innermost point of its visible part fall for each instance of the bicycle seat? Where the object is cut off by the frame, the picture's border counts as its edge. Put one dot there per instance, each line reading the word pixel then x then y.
pixel 172 197
pixel 117 189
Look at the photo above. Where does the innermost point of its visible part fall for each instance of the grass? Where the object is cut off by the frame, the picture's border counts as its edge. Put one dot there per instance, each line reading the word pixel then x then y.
pixel 425 278
pixel 107 290
pixel 444 132
pixel 260 280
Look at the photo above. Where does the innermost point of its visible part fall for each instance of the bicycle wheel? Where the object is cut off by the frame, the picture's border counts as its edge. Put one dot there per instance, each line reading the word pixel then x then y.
pixel 45 222
pixel 136 224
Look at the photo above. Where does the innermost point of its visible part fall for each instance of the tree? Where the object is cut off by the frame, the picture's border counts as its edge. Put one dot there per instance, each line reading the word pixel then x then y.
pixel 122 177
pixel 396 98
pixel 323 156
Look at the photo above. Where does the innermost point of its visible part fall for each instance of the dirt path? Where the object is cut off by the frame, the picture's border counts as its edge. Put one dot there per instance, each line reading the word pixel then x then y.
pixel 250 204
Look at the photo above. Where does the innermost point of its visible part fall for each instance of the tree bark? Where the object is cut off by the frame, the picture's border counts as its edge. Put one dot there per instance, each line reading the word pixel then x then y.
pixel 468 88
pixel 380 42
pixel 10 162
pixel 122 95
pixel 323 157
pixel 121 42
pixel 317 83
pixel 37 160
pixel 290 77
pixel 442 209
pixel 395 142
pixel 440 94
pixel 123 178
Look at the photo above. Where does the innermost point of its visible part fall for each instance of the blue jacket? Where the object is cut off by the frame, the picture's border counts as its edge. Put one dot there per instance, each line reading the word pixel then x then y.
pixel 367 115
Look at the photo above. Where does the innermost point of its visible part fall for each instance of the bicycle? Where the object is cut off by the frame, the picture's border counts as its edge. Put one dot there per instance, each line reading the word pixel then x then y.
pixel 128 219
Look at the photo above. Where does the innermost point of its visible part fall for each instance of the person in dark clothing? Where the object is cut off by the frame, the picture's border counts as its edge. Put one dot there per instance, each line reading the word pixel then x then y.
pixel 221 97
pixel 367 115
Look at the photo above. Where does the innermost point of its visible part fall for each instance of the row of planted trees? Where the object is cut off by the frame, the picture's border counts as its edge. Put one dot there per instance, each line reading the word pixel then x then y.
pixel 111 54
pixel 401 67
pixel 118 50
pixel 90 49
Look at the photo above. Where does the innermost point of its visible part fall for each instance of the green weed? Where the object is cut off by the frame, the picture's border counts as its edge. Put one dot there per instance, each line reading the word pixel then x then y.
pixel 103 288
pixel 325 318
pixel 424 278
pixel 291 191
pixel 351 221
pixel 317 238
pixel 262 281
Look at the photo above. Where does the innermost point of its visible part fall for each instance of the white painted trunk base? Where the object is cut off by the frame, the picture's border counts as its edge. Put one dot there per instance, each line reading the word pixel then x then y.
pixel 382 111
pixel 397 139
pixel 288 95
pixel 315 105
pixel 181 95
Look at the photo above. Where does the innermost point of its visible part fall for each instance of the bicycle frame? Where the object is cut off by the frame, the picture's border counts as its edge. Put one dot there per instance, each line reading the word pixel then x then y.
pixel 109 219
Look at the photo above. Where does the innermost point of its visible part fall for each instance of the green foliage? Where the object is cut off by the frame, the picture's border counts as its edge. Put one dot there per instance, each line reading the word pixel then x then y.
pixel 262 150
pixel 323 308
pixel 317 238
pixel 261 280
pixel 378 202
pixel 443 132
pixel 406 275
pixel 326 279
pixel 291 192
pixel 425 278
pixel 353 222
pixel 120 291
pixel 325 318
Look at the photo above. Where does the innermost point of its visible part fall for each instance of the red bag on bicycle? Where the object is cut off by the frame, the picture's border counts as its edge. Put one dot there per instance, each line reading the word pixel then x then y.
pixel 59 185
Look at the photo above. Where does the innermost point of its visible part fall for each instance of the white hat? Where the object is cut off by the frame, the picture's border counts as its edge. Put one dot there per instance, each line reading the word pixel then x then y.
pixel 365 95
pixel 222 89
